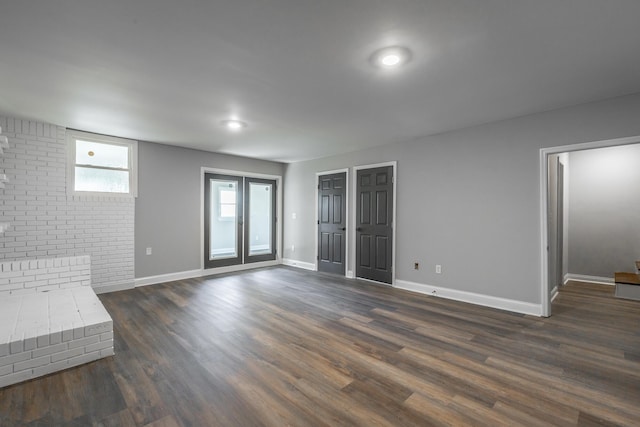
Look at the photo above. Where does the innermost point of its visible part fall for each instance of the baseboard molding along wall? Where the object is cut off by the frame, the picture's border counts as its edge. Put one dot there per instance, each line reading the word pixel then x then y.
pixel 299 264
pixel 473 298
pixel 453 294
pixel 589 279
pixel 191 274
pixel 554 293
pixel 169 277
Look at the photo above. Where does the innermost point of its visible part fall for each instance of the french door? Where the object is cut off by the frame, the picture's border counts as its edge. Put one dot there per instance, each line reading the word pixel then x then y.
pixel 239 220
pixel 259 234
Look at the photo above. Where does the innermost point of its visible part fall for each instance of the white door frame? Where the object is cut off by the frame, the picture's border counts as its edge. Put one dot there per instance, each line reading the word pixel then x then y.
pixel 347 272
pixel 353 255
pixel 544 190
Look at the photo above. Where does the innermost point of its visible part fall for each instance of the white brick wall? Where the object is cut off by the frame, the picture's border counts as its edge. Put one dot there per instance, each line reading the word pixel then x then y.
pixel 28 277
pixel 45 222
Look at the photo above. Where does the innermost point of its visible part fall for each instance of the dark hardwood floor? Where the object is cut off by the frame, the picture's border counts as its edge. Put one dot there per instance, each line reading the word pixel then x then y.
pixel 278 347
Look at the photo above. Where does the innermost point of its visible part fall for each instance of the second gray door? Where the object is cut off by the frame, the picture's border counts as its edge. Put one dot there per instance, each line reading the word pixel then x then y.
pixel 374 232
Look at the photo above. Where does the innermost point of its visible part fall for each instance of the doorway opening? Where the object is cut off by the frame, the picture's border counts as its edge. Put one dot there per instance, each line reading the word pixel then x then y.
pixel 553 254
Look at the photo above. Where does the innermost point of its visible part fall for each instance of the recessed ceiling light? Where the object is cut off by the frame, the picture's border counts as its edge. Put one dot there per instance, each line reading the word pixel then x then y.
pixel 391 57
pixel 234 125
pixel 390 60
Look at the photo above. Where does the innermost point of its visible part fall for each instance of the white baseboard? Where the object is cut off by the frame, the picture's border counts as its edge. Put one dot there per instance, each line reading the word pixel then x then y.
pixel 589 279
pixel 299 264
pixel 239 267
pixel 181 275
pixel 190 274
pixel 169 277
pixel 554 293
pixel 350 274
pixel 113 287
pixel 473 298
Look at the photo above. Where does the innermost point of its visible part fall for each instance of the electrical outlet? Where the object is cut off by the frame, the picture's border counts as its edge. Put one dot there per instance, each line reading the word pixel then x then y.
pixel 438 269
pixel 416 266
pixel 148 251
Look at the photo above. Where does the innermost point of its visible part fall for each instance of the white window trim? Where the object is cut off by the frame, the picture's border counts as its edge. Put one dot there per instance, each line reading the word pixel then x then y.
pixel 73 135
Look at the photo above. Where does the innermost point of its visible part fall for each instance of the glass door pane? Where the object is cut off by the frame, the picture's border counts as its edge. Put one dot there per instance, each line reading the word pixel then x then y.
pixel 260 232
pixel 223 220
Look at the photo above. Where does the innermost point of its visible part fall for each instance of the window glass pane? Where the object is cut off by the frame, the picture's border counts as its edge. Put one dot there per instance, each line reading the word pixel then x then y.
pixel 98 154
pixel 227 211
pixel 101 180
pixel 260 223
pixel 228 196
pixel 223 220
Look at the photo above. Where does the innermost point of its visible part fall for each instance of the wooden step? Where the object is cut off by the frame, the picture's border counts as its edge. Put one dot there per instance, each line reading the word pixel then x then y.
pixel 627 278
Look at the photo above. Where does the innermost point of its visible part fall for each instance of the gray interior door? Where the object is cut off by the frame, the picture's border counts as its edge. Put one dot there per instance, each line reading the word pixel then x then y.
pixel 374 217
pixel 332 223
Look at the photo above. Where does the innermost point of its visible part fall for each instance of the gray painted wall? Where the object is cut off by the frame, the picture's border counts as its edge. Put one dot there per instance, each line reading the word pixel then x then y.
pixel 604 210
pixel 468 200
pixel 169 204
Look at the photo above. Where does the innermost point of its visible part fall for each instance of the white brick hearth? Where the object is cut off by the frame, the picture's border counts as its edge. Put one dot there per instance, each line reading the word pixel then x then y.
pixel 50 318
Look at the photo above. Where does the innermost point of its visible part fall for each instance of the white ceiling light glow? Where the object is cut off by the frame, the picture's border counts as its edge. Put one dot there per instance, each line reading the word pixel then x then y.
pixel 234 125
pixel 390 60
pixel 391 57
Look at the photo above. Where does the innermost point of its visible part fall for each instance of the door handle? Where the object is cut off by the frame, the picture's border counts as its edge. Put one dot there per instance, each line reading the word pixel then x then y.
pixel 344 228
pixel 359 229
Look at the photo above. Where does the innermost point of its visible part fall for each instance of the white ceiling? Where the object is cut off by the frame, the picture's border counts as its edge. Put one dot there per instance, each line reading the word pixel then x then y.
pixel 298 71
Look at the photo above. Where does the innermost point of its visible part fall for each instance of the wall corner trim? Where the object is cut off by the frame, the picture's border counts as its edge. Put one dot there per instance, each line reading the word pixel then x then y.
pixel 299 264
pixel 473 298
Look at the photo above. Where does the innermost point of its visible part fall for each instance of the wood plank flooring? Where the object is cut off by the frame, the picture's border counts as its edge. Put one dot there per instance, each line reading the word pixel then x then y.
pixel 280 346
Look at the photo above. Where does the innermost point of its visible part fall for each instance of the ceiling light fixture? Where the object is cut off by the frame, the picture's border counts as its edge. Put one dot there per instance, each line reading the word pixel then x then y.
pixel 391 57
pixel 234 125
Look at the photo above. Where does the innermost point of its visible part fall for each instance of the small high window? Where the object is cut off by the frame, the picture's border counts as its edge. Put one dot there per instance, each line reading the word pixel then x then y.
pixel 101 164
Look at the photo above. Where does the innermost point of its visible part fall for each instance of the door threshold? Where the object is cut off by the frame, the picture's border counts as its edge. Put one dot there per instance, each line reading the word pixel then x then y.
pixel 375 282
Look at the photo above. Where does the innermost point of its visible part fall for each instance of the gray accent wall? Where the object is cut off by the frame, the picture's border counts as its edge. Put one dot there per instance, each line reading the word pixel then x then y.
pixel 168 206
pixel 468 200
pixel 604 211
